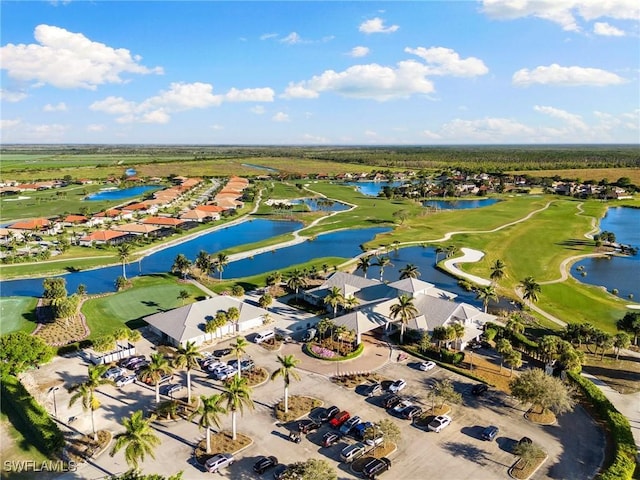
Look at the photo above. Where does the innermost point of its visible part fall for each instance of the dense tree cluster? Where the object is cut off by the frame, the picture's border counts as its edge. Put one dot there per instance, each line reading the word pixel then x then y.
pixel 19 351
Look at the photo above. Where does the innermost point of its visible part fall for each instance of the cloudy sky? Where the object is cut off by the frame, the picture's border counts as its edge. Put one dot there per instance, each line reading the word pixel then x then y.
pixel 325 72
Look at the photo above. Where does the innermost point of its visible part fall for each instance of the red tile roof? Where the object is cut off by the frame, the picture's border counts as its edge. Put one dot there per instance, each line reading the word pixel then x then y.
pixel 102 236
pixel 172 222
pixel 33 224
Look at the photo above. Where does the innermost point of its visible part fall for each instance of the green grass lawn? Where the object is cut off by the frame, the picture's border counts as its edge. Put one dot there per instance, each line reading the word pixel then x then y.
pixel 17 313
pixel 15 446
pixel 149 295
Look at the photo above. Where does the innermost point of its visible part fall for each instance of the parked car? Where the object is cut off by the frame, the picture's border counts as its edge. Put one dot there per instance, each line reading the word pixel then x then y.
pixel 326 414
pixel 391 400
pixel 377 440
pixel 440 422
pixel 309 335
pixel 224 373
pixel 346 427
pixel 397 386
pixel 114 373
pixel 352 452
pixel 279 471
pixel 219 461
pixel 265 463
pixel 329 439
pixel 171 389
pixel 401 406
pixel 247 365
pixel 490 433
pixel 136 367
pixel 163 379
pixel 359 430
pixel 308 425
pixel 410 412
pixel 372 389
pixel 125 380
pixel 339 419
pixel 479 389
pixel 126 362
pixel 223 352
pixel 426 366
pixel 215 365
pixel 375 467
pixel 264 336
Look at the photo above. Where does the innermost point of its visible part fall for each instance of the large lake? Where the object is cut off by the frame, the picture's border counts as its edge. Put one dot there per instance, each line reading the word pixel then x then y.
pixel 459 204
pixel 121 194
pixel 622 273
pixel 373 189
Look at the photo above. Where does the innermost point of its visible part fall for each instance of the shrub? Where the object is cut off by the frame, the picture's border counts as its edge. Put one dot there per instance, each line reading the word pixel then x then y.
pixel 624 463
pixel 104 343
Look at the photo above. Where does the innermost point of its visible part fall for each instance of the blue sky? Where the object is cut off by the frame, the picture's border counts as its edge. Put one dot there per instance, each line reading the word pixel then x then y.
pixel 326 72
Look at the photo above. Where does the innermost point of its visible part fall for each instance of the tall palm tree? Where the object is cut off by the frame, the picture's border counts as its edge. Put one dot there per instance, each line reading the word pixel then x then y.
pixel 296 281
pixel 383 261
pixel 181 265
pixel 458 331
pixel 351 302
pixel 204 262
pixel 209 410
pixel 405 310
pixel 87 392
pixel 233 315
pixel 531 289
pixel 363 264
pixel 153 372
pixel 409 271
pixel 237 395
pixel 187 357
pixel 287 371
pixel 439 250
pixel 124 253
pixel 239 348
pixel 514 324
pixel 485 294
pixel 138 439
pixel 221 260
pixel 497 270
pixel 334 298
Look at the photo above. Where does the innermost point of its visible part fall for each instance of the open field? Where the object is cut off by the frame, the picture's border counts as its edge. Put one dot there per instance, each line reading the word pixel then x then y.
pixel 17 313
pixel 584 174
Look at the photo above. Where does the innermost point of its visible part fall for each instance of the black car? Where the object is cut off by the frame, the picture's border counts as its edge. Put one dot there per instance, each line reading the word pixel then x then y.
pixel 279 471
pixel 372 389
pixel 375 467
pixel 130 361
pixel 479 389
pixel 264 463
pixel 223 352
pixel 391 400
pixel 410 412
pixel 308 425
pixel 327 414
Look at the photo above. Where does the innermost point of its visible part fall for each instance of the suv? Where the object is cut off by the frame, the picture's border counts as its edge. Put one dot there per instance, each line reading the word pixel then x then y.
pixel 264 463
pixel 326 414
pixel 391 400
pixel 376 466
pixel 346 427
pixel 372 389
pixel 490 433
pixel 309 335
pixel 352 452
pixel 339 419
pixel 218 461
pixel 329 439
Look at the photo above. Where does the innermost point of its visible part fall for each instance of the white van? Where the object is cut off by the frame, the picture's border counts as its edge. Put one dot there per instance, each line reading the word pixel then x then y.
pixel 264 336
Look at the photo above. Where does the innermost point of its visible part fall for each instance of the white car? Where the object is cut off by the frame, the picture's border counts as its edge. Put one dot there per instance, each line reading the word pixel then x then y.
pixel 114 373
pixel 219 461
pixel 125 380
pixel 398 385
pixel 440 422
pixel 426 366
pixel 401 406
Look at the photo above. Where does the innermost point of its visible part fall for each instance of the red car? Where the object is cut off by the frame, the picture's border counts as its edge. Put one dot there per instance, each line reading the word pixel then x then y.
pixel 339 419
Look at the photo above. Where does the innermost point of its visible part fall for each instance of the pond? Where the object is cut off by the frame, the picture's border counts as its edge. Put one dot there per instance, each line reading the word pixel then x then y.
pixel 102 279
pixel 121 193
pixel 621 273
pixel 373 189
pixel 460 204
pixel 322 204
pixel 260 167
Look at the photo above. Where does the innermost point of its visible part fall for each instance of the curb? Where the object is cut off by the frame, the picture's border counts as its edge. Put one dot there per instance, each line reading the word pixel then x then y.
pixel 510 471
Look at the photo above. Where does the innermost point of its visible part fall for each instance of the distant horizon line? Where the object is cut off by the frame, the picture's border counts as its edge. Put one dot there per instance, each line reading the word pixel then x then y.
pixel 354 145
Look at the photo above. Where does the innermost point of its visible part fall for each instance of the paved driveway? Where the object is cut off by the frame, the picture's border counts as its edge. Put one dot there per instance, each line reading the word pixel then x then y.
pixel 575 445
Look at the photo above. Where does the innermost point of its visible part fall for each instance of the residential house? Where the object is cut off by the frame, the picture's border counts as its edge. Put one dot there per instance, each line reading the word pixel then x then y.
pixel 104 237
pixel 37 225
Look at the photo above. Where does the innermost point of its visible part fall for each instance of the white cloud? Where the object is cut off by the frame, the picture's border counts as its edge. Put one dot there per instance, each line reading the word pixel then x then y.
pixel 179 97
pixel 445 61
pixel 376 25
pixel 268 36
pixel 573 120
pixel 431 135
pixel 16 131
pixel 217 127
pixel 291 39
pixel 563 12
pixel 566 76
pixel 308 138
pixel 280 117
pixel 359 51
pixel 603 28
pixel 11 96
pixel 491 130
pixel 7 124
pixel 69 60
pixel 258 110
pixel 96 127
pixel 60 107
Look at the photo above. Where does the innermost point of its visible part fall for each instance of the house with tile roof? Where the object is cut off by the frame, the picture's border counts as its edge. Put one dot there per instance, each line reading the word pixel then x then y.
pixel 163 221
pixel 137 229
pixel 104 237
pixel 39 225
pixel 196 215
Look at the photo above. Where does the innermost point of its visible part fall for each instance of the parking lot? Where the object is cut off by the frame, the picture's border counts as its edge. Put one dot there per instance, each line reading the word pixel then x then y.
pixel 575 446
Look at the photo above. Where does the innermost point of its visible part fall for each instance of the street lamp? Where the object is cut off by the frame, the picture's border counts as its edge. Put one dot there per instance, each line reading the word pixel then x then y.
pixel 55 407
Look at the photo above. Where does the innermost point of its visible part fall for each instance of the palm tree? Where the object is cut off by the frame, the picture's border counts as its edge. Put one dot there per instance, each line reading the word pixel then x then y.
pixel 514 324
pixel 204 262
pixel 409 271
pixel 287 371
pixel 209 409
pixel 221 261
pixel 233 315
pixel 383 261
pixel 187 357
pixel 363 264
pixel 124 253
pixel 324 326
pixel 153 372
pixel 405 310
pixel 239 348
pixel 183 295
pixel 513 359
pixel 350 302
pixel 439 250
pixel 497 270
pixel 531 289
pixel 237 395
pixel 138 439
pixel 181 265
pixel 458 331
pixel 296 281
pixel 87 392
pixel 486 293
pixel 334 298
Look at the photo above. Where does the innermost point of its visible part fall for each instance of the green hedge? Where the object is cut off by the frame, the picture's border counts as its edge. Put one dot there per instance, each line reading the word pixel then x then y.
pixel 353 354
pixel 625 452
pixel 42 429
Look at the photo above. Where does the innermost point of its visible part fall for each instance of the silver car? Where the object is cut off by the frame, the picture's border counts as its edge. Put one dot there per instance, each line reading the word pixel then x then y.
pixel 219 461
